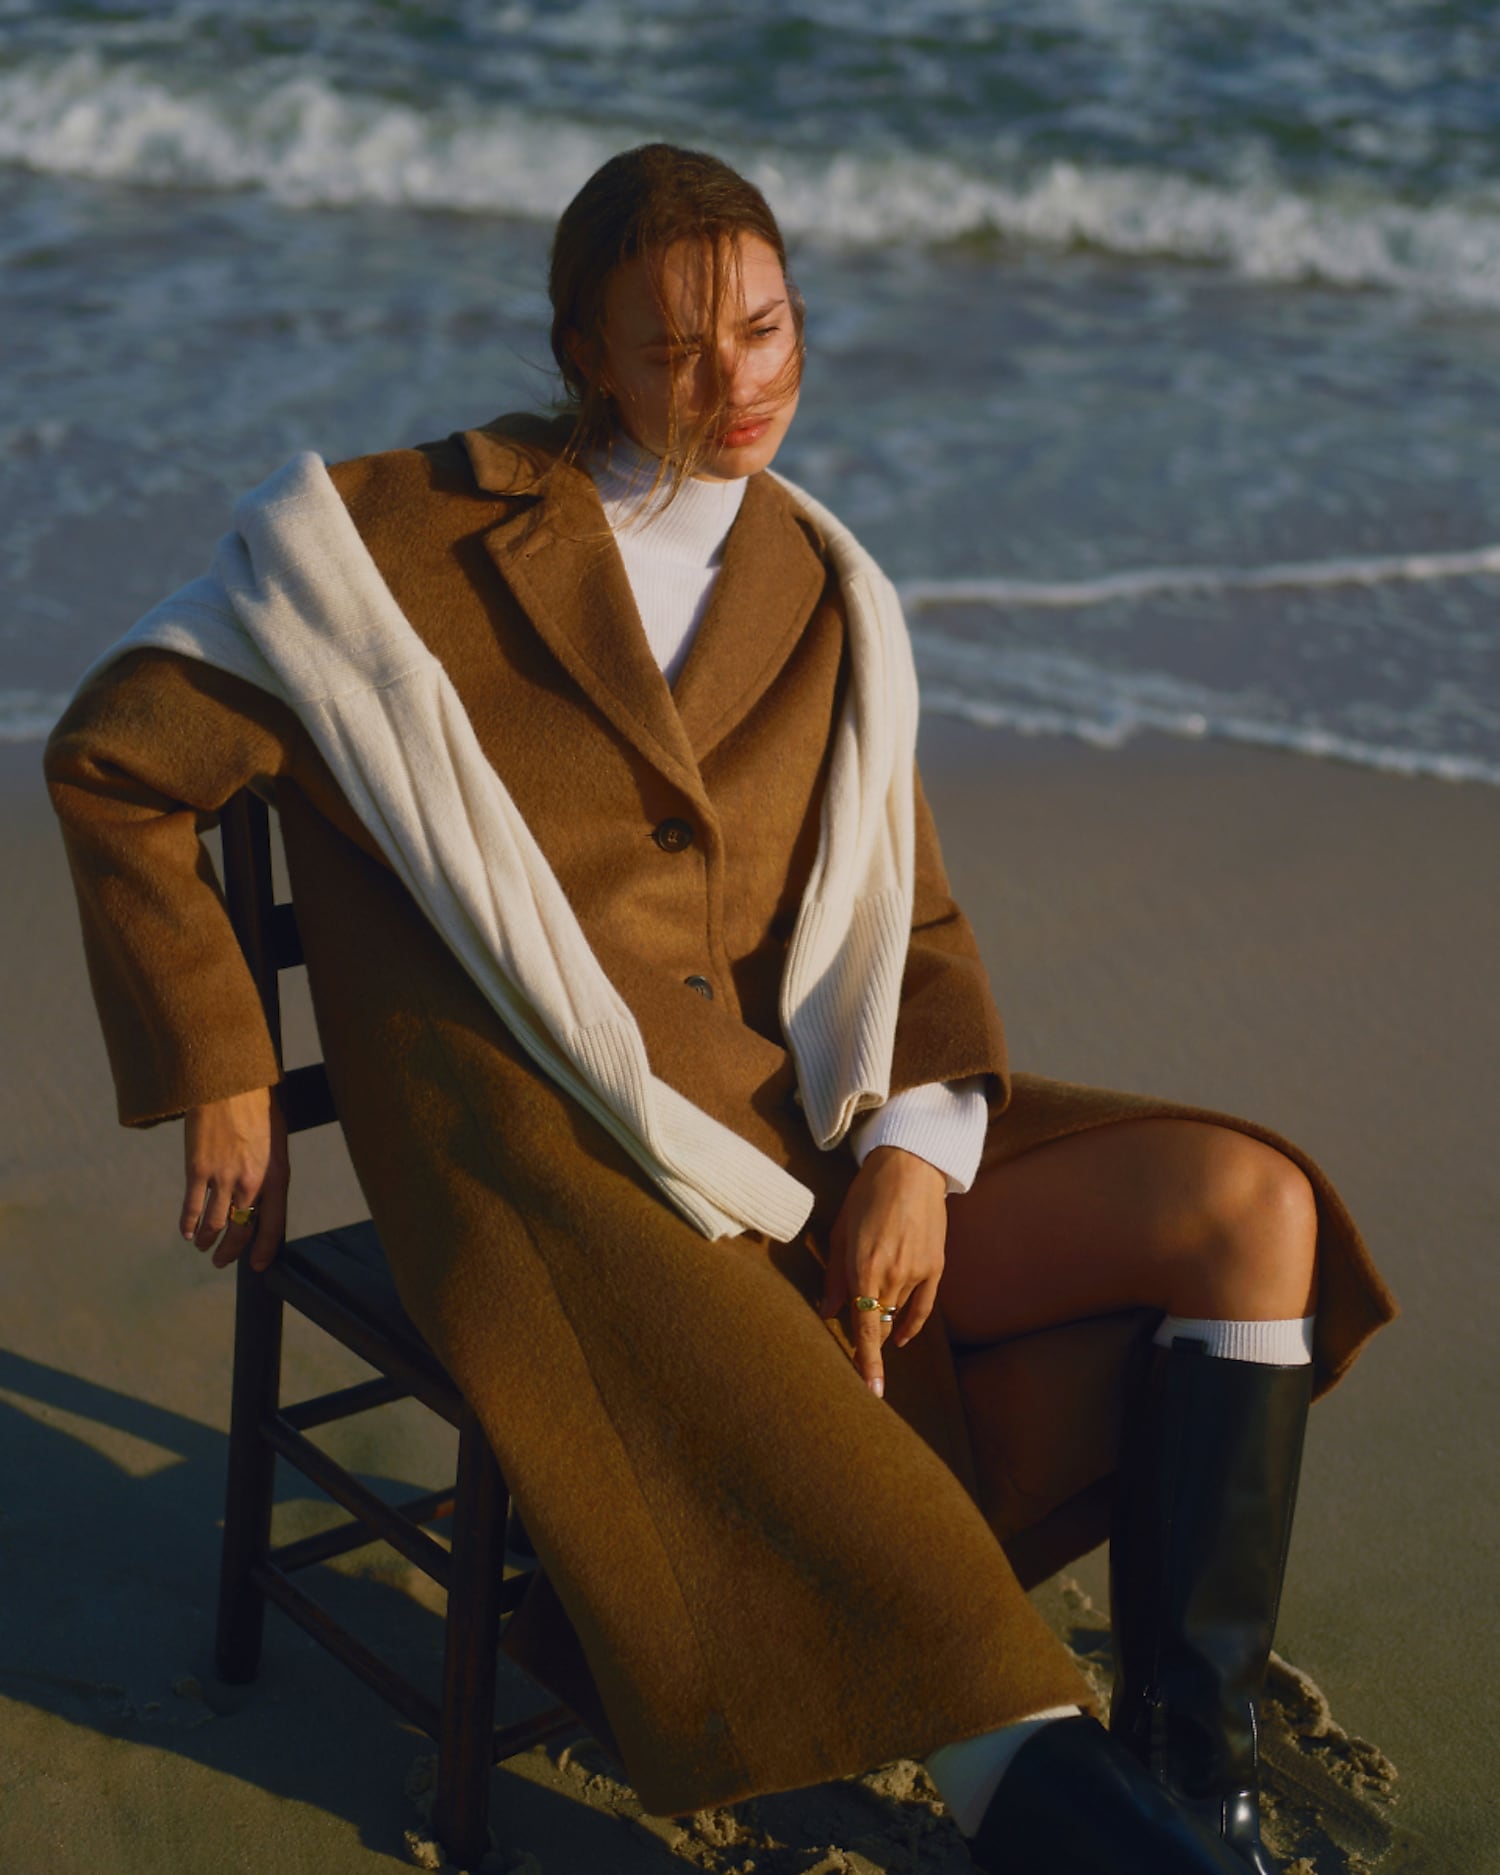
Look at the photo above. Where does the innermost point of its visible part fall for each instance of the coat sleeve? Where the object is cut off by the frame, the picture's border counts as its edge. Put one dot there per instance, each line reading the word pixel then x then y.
pixel 948 1026
pixel 145 756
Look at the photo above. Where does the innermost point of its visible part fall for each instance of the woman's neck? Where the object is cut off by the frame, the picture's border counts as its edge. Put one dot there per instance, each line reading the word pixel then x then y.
pixel 689 523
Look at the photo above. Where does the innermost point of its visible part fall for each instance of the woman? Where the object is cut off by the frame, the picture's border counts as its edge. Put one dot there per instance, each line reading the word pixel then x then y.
pixel 643 772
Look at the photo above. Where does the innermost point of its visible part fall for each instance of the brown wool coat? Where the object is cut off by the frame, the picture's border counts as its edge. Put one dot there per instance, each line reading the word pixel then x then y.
pixel 757 1575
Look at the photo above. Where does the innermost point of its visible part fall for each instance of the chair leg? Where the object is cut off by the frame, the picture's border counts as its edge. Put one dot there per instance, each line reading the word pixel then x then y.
pixel 460 1812
pixel 252 1475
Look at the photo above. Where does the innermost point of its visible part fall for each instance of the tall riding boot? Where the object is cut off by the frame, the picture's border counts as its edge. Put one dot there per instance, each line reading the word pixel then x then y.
pixel 1203 1517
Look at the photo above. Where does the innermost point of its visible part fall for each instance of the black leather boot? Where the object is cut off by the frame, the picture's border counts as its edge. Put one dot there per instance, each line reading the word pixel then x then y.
pixel 1203 1517
pixel 1074 1802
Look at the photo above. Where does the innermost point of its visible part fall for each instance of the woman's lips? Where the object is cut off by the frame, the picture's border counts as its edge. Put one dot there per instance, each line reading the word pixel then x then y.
pixel 750 431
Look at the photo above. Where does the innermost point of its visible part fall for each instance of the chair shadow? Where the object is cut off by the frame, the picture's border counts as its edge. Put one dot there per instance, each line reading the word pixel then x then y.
pixel 110 1516
pixel 109 1547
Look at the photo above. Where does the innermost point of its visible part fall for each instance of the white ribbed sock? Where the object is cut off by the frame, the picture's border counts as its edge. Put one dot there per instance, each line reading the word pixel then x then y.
pixel 968 1773
pixel 1272 1344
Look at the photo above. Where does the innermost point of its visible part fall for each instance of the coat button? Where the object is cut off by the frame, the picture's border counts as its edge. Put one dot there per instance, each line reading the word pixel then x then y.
pixel 673 836
pixel 701 985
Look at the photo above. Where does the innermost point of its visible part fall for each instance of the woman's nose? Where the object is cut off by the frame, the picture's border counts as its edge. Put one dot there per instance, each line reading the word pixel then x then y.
pixel 729 371
pixel 737 373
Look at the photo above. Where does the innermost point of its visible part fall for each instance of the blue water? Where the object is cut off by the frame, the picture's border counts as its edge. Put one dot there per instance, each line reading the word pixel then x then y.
pixel 1155 346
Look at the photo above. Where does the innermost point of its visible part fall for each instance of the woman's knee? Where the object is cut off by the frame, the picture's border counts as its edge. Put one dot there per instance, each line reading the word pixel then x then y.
pixel 1252 1219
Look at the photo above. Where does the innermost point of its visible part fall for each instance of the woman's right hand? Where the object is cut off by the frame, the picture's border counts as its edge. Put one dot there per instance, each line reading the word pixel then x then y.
pixel 236 1157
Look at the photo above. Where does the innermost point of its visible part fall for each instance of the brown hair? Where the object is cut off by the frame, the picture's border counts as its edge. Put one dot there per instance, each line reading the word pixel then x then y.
pixel 642 202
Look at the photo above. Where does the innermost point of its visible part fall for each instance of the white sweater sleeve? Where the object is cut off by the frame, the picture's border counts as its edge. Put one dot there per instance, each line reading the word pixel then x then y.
pixel 943 1122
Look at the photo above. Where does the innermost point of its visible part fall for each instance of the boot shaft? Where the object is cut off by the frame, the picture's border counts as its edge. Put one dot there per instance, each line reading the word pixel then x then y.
pixel 1207 1489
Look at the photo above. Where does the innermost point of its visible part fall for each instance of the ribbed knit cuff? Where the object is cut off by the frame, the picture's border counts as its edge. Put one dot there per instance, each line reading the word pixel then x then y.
pixel 942 1122
pixel 1272 1344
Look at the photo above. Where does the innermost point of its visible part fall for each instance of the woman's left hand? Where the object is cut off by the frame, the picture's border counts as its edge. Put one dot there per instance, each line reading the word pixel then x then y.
pixel 887 1242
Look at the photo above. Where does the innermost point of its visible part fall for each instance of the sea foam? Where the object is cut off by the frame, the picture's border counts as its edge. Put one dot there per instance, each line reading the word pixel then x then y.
pixel 28 715
pixel 1059 694
pixel 995 677
pixel 309 143
pixel 1310 575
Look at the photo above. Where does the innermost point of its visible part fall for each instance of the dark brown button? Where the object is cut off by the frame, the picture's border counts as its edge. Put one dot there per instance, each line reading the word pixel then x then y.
pixel 673 836
pixel 701 985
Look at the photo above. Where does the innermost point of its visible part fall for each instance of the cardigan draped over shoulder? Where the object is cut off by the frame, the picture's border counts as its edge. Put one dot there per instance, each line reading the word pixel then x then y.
pixel 756 1575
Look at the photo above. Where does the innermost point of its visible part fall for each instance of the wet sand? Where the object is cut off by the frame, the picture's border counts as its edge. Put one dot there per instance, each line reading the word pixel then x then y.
pixel 1303 942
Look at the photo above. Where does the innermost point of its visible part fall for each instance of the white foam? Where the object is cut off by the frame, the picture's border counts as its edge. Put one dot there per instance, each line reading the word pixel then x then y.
pixel 28 715
pixel 1374 570
pixel 300 141
pixel 310 144
pixel 1049 692
pixel 1114 726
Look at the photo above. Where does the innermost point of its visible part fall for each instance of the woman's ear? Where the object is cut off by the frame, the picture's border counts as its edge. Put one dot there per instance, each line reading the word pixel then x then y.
pixel 586 356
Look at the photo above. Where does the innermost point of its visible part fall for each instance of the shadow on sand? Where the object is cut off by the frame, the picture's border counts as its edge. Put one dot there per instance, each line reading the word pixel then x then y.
pixel 109 1538
pixel 109 1535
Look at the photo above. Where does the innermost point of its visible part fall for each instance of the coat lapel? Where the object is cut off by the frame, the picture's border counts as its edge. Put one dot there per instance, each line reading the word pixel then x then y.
pixel 767 590
pixel 554 551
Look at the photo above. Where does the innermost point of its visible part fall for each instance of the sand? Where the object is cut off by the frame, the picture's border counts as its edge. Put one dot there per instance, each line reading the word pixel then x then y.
pixel 1305 942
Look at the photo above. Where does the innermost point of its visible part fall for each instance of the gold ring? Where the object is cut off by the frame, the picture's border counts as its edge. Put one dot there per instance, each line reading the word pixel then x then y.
pixel 888 1310
pixel 242 1214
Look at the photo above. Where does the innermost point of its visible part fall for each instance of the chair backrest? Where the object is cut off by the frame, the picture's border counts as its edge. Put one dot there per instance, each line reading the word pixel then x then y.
pixel 272 943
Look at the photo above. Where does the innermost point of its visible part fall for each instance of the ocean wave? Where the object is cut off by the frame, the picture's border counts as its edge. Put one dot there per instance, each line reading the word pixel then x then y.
pixel 310 144
pixel 301 141
pixel 1143 582
pixel 1058 693
pixel 28 715
pixel 1113 725
pixel 1259 231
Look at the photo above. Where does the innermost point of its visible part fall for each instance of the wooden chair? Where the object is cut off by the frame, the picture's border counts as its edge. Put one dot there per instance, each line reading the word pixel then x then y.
pixel 339 1279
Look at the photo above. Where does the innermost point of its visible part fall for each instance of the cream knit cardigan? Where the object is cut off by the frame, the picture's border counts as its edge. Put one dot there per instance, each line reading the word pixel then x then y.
pixel 296 606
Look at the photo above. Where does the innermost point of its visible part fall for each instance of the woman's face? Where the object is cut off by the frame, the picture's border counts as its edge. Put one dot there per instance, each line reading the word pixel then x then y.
pixel 663 385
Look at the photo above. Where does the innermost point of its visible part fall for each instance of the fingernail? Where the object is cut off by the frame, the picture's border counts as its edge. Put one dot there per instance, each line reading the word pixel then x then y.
pixel 877 1387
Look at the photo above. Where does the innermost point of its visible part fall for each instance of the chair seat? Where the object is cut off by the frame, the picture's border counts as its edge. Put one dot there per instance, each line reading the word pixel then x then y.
pixel 349 1266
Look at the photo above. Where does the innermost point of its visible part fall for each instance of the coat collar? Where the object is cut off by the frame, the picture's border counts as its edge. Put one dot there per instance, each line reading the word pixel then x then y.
pixel 554 550
pixel 767 590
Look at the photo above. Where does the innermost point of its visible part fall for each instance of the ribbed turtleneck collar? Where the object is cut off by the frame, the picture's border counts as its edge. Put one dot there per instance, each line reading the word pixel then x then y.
pixel 691 528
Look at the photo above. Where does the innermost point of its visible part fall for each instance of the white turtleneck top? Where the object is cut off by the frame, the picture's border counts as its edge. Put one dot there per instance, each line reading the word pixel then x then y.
pixel 672 556
pixel 672 552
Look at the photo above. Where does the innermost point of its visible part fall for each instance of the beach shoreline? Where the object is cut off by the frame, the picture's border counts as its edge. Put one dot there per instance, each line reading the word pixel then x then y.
pixel 1302 942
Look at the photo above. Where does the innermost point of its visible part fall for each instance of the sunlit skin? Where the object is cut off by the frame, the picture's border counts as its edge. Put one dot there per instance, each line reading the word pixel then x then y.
pixel 1177 1215
pixel 651 375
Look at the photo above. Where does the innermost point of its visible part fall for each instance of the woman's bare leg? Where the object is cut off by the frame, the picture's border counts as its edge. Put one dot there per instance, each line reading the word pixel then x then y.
pixel 1180 1215
pixel 1194 1219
